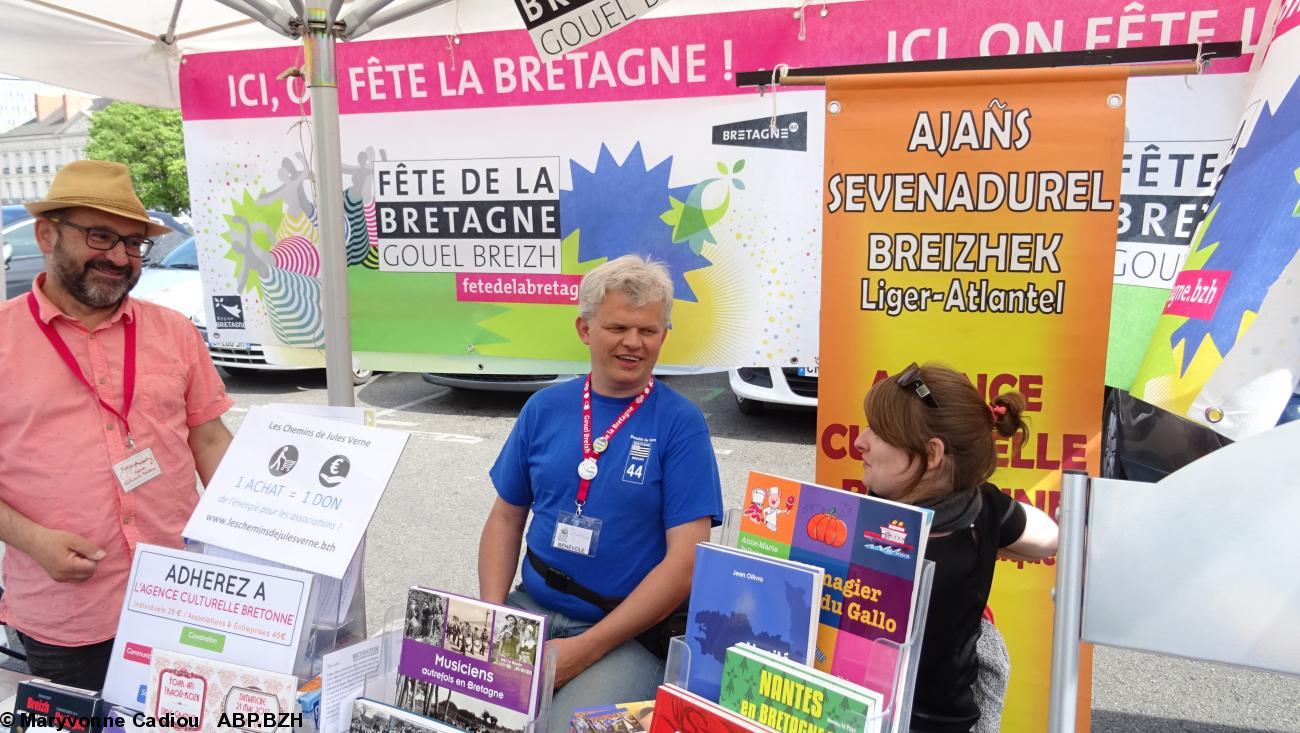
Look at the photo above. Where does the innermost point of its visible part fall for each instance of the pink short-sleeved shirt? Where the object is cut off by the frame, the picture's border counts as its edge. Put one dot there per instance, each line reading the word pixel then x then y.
pixel 58 446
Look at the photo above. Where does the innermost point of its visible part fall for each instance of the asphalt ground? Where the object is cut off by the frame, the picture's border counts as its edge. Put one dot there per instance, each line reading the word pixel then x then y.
pixel 427 526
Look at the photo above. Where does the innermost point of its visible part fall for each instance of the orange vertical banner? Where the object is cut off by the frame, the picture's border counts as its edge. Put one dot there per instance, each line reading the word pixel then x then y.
pixel 970 219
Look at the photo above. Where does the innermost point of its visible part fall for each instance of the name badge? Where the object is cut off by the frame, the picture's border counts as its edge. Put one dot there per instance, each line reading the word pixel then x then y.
pixel 576 534
pixel 137 469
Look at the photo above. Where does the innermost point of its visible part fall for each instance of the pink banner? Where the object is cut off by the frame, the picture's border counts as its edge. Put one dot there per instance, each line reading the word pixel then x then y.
pixel 1196 293
pixel 509 288
pixel 697 56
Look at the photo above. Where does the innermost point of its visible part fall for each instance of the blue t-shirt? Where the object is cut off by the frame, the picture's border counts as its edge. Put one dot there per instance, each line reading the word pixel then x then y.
pixel 658 472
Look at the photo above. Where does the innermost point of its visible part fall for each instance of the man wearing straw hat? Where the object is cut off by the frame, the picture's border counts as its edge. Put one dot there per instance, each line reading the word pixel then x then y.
pixel 108 407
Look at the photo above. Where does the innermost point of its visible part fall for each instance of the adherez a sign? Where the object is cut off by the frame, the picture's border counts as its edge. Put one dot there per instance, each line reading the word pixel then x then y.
pixel 560 26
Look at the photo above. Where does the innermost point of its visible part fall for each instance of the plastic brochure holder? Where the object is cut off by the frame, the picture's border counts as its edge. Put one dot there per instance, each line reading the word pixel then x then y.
pixel 340 617
pixel 382 686
pixel 902 673
pixel 729 532
pixel 336 611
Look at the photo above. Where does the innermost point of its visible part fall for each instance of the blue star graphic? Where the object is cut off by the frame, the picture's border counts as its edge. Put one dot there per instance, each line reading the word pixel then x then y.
pixel 1255 227
pixel 616 208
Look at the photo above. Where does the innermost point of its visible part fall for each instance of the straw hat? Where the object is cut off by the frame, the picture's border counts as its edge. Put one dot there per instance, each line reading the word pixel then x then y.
pixel 96 184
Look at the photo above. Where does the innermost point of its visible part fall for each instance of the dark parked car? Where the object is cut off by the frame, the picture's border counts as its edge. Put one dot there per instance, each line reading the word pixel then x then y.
pixel 1142 442
pixel 24 258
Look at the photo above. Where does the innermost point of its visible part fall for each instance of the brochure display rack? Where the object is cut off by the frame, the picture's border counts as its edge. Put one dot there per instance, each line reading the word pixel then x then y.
pixel 337 611
pixel 908 655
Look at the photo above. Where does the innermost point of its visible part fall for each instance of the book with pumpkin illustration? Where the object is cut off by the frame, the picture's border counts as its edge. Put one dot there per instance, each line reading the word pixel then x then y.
pixel 739 596
pixel 871 551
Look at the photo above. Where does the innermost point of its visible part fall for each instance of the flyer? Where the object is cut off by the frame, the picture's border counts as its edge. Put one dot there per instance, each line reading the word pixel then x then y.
pixel 297 489
pixel 209 607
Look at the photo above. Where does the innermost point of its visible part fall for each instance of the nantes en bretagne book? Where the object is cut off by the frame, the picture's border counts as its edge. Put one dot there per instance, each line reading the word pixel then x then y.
pixel 872 552
pixel 795 698
pixel 739 596
pixel 471 664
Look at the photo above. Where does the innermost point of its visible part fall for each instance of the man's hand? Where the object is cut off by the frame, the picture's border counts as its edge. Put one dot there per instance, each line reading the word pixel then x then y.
pixel 66 557
pixel 573 654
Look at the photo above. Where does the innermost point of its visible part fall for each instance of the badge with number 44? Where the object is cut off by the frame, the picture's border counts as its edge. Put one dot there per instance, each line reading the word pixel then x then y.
pixel 637 457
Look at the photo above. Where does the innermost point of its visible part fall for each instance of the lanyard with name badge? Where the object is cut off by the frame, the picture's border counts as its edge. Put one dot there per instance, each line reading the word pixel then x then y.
pixel 573 531
pixel 141 466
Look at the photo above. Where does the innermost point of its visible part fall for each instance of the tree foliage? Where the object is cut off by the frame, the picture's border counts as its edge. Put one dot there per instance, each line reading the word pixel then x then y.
pixel 149 141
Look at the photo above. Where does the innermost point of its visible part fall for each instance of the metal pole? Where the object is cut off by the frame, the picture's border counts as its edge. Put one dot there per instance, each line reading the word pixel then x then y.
pixel 322 81
pixel 1067 623
pixel 170 36
pixel 276 21
pixel 380 18
pixel 362 11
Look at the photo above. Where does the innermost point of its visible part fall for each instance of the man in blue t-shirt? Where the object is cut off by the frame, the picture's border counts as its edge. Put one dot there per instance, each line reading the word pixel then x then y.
pixel 619 474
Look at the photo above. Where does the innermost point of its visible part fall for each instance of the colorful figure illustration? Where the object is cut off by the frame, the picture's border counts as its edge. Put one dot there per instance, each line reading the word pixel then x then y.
pixel 361 228
pixel 774 508
pixel 288 278
pixel 293 190
pixel 754 510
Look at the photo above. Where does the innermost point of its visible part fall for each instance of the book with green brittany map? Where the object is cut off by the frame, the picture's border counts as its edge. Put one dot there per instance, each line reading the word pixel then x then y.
pixel 793 698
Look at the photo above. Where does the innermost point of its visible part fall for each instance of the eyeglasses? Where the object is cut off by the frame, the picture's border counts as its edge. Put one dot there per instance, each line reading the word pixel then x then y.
pixel 911 379
pixel 105 240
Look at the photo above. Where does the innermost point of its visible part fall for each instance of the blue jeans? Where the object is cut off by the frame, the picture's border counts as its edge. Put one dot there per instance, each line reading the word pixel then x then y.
pixel 630 673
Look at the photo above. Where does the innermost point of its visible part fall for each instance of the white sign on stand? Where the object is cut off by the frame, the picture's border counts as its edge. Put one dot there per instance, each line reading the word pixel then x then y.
pixel 213 608
pixel 297 488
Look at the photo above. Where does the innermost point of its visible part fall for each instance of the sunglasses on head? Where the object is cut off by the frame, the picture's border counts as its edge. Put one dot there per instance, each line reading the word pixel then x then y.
pixel 911 379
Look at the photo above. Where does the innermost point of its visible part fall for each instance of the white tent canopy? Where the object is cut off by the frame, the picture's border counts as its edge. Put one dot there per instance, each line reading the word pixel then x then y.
pixel 132 50
pixel 112 48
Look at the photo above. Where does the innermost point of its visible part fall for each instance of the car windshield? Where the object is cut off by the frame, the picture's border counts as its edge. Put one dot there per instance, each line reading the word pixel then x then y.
pixel 184 257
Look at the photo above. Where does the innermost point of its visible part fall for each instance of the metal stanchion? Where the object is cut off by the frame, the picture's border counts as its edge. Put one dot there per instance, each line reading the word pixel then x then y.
pixel 1068 618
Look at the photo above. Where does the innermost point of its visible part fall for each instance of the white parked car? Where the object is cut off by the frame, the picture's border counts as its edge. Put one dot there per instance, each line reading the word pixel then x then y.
pixel 755 387
pixel 175 282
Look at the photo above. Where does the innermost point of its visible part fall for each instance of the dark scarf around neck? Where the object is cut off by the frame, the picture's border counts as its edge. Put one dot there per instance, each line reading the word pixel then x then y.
pixel 954 511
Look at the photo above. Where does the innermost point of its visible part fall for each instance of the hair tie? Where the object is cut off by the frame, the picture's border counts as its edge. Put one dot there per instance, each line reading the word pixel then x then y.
pixel 997 411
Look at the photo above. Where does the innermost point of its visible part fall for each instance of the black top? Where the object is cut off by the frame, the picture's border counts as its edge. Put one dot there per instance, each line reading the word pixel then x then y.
pixel 945 701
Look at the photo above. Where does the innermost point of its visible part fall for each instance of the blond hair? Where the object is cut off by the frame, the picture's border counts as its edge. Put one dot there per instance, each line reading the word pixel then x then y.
pixel 642 280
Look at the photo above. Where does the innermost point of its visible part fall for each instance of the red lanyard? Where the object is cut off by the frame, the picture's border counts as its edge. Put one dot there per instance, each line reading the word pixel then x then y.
pixel 128 366
pixel 591 451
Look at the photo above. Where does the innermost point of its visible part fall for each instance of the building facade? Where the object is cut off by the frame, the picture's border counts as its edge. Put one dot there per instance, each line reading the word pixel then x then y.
pixel 33 152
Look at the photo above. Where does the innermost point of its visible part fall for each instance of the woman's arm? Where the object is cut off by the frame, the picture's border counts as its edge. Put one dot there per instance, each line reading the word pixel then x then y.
pixel 1038 541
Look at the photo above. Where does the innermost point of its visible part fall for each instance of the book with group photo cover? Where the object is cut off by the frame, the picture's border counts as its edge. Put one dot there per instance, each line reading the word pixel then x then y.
pixel 739 596
pixel 872 552
pixel 468 663
pixel 369 716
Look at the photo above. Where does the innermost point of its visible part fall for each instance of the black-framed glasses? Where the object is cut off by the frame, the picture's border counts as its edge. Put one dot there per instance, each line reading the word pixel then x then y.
pixel 104 240
pixel 911 379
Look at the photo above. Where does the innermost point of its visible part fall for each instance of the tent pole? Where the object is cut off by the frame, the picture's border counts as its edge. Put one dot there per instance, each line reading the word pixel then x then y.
pixel 170 36
pixel 322 80
pixel 362 12
pixel 355 29
pixel 271 17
